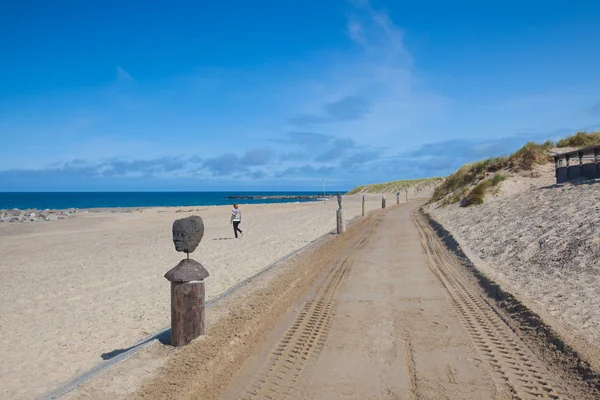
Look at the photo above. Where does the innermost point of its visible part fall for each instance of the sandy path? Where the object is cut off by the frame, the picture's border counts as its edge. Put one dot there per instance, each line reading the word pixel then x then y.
pixel 390 321
pixel 76 290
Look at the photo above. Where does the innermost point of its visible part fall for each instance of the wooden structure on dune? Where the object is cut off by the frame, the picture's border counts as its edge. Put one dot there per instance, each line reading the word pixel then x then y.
pixel 582 163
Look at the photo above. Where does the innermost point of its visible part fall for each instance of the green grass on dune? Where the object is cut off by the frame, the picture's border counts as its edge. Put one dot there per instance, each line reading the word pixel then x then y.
pixel 580 139
pixel 455 187
pixel 471 182
pixel 477 195
pixel 393 186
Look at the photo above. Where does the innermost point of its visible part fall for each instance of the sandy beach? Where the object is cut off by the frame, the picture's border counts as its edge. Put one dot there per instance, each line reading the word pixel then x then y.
pixel 383 311
pixel 79 289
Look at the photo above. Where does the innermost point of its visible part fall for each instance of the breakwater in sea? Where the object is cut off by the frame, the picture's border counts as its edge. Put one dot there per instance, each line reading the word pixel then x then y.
pixel 277 197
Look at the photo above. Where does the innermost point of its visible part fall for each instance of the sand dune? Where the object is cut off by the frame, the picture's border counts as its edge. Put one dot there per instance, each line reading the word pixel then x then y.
pixel 545 245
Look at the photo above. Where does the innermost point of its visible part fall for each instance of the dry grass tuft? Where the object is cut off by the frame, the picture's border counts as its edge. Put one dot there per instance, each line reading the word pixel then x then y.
pixel 580 139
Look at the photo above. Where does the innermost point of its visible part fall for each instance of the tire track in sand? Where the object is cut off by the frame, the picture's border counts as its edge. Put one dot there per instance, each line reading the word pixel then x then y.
pixel 306 336
pixel 514 367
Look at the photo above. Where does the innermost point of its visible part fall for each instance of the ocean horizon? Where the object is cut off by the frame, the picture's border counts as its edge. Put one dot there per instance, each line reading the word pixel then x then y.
pixel 82 200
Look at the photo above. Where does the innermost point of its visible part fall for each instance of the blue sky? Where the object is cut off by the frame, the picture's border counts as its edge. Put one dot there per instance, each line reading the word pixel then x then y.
pixel 278 95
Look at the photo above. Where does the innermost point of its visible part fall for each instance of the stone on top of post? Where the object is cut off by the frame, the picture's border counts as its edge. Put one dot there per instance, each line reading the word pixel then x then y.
pixel 187 283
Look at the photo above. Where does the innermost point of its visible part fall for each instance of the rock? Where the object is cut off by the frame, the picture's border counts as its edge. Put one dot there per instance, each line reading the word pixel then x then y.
pixel 186 271
pixel 187 233
pixel 52 217
pixel 34 219
pixel 63 216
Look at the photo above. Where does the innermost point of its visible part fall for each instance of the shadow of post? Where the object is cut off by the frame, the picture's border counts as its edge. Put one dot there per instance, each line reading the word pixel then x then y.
pixel 163 337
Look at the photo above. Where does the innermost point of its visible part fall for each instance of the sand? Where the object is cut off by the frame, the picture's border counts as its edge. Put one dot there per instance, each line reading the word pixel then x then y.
pixel 79 289
pixel 388 332
pixel 543 244
pixel 383 311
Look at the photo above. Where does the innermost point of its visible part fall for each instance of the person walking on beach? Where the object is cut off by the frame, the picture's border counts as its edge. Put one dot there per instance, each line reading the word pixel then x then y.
pixel 236 218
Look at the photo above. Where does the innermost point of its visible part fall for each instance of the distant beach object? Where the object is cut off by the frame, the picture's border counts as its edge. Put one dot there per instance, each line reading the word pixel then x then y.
pixel 276 197
pixel 364 205
pixel 383 201
pixel 341 226
pixel 339 215
pixel 397 197
pixel 187 283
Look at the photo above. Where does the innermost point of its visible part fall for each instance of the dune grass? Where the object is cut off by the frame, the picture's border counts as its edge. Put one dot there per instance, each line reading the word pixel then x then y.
pixel 485 174
pixel 580 139
pixel 456 185
pixel 477 195
pixel 393 186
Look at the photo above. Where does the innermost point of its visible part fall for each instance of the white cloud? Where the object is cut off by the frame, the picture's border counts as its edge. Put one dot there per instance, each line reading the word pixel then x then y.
pixel 356 32
pixel 123 75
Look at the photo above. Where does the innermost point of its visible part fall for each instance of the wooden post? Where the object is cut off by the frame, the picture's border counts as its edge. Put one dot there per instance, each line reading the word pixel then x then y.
pixel 187 312
pixel 580 154
pixel 568 159
pixel 407 196
pixel 597 162
pixel 187 301
pixel 341 226
pixel 398 198
pixel 382 201
pixel 364 207
pixel 556 164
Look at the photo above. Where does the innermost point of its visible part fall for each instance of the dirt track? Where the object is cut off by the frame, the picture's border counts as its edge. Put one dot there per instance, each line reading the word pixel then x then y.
pixel 391 316
pixel 392 319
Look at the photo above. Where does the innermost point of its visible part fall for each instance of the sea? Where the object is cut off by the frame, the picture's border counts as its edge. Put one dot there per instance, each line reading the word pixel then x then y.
pixel 65 200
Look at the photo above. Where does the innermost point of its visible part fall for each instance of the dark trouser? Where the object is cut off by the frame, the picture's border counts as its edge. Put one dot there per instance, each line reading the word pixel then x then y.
pixel 236 228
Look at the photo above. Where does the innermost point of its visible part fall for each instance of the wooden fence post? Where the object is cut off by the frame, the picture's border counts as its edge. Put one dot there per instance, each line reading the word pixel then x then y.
pixel 341 226
pixel 383 201
pixel 187 312
pixel 187 301
pixel 364 206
